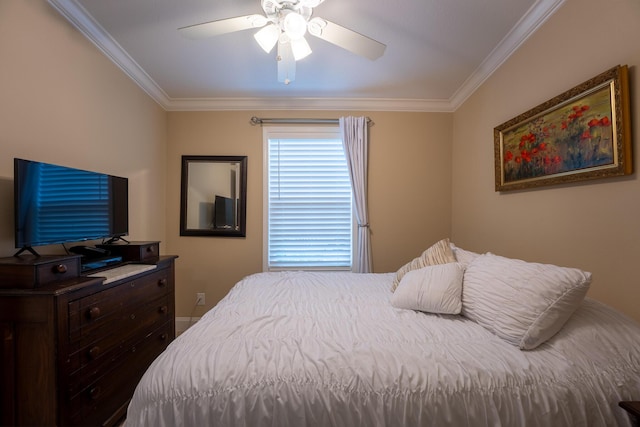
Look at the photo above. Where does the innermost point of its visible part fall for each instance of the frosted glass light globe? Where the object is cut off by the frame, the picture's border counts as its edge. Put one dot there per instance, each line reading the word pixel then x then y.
pixel 295 26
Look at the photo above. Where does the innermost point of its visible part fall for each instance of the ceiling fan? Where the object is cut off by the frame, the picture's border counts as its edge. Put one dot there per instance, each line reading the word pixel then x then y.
pixel 285 23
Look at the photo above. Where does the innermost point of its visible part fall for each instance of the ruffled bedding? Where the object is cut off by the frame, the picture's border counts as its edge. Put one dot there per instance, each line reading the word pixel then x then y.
pixel 315 349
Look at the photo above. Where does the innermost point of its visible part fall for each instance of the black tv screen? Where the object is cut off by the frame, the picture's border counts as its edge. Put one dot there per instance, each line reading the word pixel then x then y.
pixel 224 212
pixel 58 204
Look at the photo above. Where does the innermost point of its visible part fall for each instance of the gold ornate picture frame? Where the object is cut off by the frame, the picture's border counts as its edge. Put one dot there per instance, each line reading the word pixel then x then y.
pixel 582 134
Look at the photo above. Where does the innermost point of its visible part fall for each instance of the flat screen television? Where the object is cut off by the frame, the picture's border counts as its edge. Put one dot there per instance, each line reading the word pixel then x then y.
pixel 58 204
pixel 224 212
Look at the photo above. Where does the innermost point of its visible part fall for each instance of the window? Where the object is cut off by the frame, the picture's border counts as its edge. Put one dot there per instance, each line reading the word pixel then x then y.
pixel 308 202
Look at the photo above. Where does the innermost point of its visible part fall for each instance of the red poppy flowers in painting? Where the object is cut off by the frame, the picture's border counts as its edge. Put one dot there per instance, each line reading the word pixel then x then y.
pixel 576 137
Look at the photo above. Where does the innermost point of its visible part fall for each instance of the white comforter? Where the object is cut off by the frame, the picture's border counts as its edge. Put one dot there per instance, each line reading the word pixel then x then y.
pixel 316 349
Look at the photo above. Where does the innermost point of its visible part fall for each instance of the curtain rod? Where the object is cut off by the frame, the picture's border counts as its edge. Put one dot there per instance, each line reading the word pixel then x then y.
pixel 258 121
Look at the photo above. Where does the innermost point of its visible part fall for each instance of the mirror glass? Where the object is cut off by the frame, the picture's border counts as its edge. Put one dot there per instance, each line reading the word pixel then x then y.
pixel 213 196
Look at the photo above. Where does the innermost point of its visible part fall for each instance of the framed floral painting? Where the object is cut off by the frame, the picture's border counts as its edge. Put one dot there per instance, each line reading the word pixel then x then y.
pixel 584 133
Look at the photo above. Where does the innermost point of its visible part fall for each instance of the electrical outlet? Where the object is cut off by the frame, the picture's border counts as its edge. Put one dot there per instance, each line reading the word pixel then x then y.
pixel 200 298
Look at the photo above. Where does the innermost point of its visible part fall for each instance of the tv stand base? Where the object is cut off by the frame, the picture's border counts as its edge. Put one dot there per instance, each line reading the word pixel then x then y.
pixel 113 240
pixel 28 249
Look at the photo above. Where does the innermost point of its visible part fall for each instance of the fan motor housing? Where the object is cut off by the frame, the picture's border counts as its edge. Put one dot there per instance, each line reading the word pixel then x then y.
pixel 274 9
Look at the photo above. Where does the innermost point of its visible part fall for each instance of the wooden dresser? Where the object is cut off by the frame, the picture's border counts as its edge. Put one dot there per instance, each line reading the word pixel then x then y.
pixel 74 347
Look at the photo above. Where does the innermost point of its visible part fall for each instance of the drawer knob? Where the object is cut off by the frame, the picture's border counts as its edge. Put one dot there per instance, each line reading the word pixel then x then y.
pixel 162 282
pixel 93 312
pixel 94 392
pixel 60 268
pixel 163 309
pixel 132 317
pixel 94 352
pixel 163 337
pixel 150 249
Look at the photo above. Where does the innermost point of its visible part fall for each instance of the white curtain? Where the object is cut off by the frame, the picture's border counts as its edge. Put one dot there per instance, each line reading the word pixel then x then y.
pixel 355 140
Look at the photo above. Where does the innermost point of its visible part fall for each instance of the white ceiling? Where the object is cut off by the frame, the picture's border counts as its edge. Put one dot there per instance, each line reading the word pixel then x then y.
pixel 438 52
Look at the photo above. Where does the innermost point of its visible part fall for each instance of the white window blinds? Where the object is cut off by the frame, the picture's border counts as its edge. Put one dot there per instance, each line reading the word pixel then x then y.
pixel 309 212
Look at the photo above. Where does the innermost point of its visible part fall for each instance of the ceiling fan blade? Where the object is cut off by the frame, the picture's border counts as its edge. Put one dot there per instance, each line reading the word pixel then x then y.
pixel 223 26
pixel 346 38
pixel 286 63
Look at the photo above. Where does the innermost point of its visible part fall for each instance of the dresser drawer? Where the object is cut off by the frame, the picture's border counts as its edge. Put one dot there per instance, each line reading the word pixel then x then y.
pixel 32 272
pixel 58 270
pixel 146 252
pixel 108 341
pixel 135 251
pixel 95 401
pixel 92 312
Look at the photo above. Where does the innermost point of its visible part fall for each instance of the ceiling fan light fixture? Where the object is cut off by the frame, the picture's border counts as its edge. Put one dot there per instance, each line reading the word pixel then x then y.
pixel 267 37
pixel 295 26
pixel 316 26
pixel 286 22
pixel 300 48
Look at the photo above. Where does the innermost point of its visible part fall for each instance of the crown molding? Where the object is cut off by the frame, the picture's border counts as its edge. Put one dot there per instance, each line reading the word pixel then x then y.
pixel 346 104
pixel 524 28
pixel 78 16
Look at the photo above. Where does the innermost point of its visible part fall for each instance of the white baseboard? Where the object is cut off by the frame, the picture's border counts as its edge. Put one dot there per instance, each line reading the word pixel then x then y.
pixel 183 323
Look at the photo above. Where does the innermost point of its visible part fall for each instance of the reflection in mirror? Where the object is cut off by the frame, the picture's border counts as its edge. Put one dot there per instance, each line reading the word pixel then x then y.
pixel 213 196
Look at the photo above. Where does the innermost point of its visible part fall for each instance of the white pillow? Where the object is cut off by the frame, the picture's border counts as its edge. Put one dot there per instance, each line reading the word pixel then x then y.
pixel 434 289
pixel 464 257
pixel 439 253
pixel 523 303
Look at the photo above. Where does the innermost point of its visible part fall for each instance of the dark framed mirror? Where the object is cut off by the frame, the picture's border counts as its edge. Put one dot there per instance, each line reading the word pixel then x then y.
pixel 213 196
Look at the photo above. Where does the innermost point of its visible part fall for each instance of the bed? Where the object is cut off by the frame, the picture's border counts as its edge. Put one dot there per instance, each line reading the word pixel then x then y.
pixel 330 348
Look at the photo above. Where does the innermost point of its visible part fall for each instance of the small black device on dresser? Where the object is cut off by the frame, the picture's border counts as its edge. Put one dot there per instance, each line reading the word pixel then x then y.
pixel 90 252
pixel 74 343
pixel 93 257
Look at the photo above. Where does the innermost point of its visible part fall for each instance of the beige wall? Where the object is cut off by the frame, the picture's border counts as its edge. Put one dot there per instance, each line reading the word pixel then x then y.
pixel 64 102
pixel 595 225
pixel 409 191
